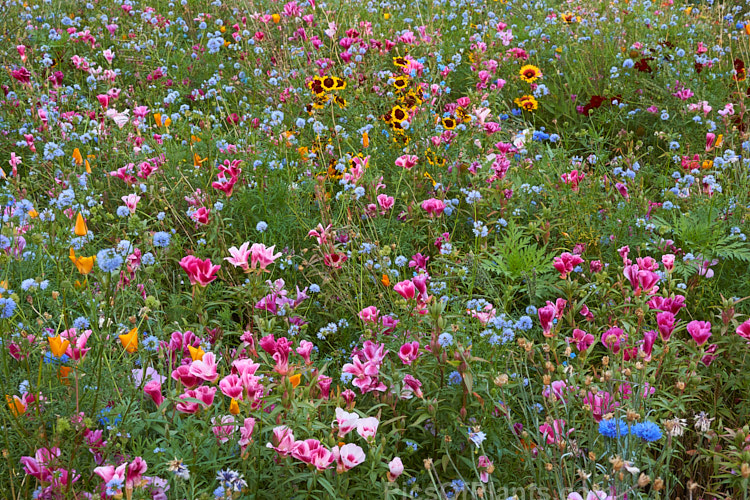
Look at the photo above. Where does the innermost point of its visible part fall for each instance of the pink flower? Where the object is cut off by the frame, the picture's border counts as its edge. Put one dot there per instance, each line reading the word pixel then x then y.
pixel 556 390
pixel 600 403
pixel 246 432
pixel 485 316
pixel 224 428
pixel 581 339
pixel 405 289
pixel 433 207
pixel 485 464
pixel 346 421
pixel 153 389
pixel 409 352
pixel 349 456
pixel 135 470
pixel 202 393
pixel 710 355
pixel 262 256
pixel 395 469
pixel 367 427
pixel 649 338
pixel 182 374
pixel 744 330
pixel 239 256
pixel 283 440
pixel 231 386
pixel 700 331
pixel 668 261
pixel 77 349
pixel 554 432
pixel 385 202
pixel 369 314
pixel 200 272
pixel 205 369
pixel 407 161
pixel 304 350
pixel 592 495
pixel 412 386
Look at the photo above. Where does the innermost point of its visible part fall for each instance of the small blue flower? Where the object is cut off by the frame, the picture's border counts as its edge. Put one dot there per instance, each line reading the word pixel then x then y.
pixel 162 239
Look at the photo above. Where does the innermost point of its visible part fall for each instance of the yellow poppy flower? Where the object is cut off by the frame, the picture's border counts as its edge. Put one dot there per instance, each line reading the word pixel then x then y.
pixel 83 264
pixel 196 353
pixel 58 345
pixel 80 229
pixel 77 157
pixel 130 340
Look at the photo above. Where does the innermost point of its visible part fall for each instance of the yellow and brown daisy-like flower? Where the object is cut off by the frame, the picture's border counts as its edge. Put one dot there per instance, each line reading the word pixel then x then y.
pixel 462 115
pixel 527 102
pixel 340 101
pixel 449 123
pixel 401 82
pixel 530 73
pixel 399 114
pixel 339 83
pixel 328 83
pixel 569 18
pixel 433 159
pixel 316 86
pixel 401 62
pixel 334 174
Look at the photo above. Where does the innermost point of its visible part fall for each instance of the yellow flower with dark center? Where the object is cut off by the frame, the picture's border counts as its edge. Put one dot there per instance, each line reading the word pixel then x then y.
pixel 339 83
pixel 434 159
pixel 340 101
pixel 530 73
pixel 316 86
pixel 449 123
pixel 400 82
pixel 328 83
pixel 399 114
pixel 527 102
pixel 569 18
pixel 83 264
pixel 401 62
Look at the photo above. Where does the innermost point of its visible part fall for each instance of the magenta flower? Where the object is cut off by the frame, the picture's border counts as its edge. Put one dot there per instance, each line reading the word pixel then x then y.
pixel 700 331
pixel 246 433
pixel 546 315
pixel 409 352
pixel 204 394
pixel 200 272
pixel 153 389
pixel 369 314
pixel 566 263
pixel 665 322
pixel 581 339
pixel 649 338
pixel 395 469
pixel 554 432
pixel 262 256
pixel 407 161
pixel 614 338
pixel 744 330
pixel 367 427
pixel 182 374
pixel 305 349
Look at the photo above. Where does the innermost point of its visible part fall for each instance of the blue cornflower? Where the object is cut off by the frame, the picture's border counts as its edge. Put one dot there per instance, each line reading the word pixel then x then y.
pixel 445 339
pixel 613 428
pixel 454 378
pixel 648 431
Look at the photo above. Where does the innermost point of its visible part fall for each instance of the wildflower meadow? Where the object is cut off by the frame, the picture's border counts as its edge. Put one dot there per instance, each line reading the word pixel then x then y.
pixel 439 249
